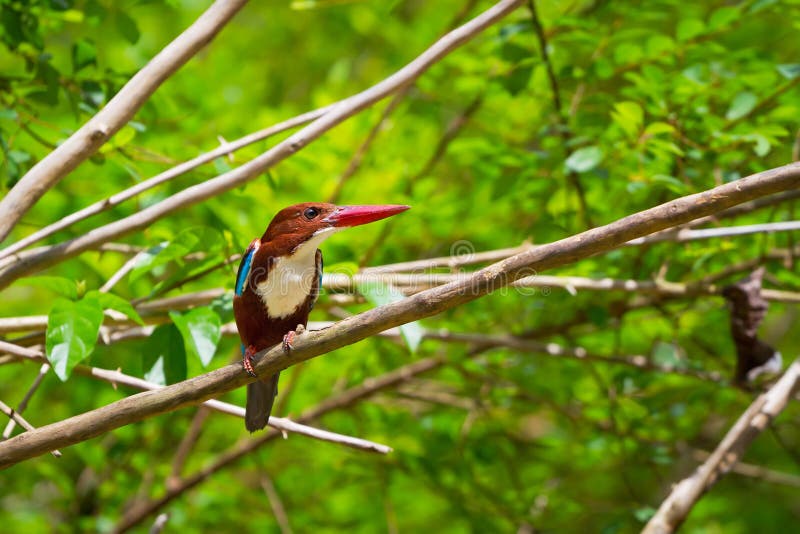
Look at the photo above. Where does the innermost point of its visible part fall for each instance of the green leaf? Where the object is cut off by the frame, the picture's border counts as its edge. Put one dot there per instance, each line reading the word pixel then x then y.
pixel 379 294
pixel 18 156
pixel 585 159
pixel 198 239
pixel 127 27
pixel 644 514
pixel 200 329
pixel 671 183
pixel 629 116
pixel 723 16
pixel 517 80
pixel 223 306
pixel 84 53
pixel 668 354
pixel 164 359
pixel 655 128
pixel 57 284
pixel 742 104
pixel 790 71
pixel 72 329
pixel 689 28
pixel 147 260
pixel 221 165
pixel 109 301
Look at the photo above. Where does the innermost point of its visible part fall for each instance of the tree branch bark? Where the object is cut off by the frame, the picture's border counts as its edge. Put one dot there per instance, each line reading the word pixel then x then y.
pixel 83 143
pixel 424 304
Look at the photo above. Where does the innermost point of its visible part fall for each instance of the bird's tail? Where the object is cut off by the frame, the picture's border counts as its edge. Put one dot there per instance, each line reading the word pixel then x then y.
pixel 260 396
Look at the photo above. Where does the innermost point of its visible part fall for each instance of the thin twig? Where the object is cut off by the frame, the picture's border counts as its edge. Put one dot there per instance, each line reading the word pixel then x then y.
pixel 683 235
pixel 572 177
pixel 186 444
pixel 114 115
pixel 26 398
pixel 275 502
pixel 684 495
pixel 14 416
pixel 754 471
pixel 159 523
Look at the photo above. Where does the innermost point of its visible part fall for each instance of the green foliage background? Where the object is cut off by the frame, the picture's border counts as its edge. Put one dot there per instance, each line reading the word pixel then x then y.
pixel 658 99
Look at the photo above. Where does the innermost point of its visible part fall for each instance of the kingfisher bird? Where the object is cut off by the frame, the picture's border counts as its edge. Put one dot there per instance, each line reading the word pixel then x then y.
pixel 278 281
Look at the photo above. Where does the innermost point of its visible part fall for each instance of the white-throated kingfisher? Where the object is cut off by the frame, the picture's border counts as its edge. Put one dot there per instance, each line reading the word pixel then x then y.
pixel 278 281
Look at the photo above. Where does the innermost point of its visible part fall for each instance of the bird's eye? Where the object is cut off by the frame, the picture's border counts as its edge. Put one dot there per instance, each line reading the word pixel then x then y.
pixel 310 213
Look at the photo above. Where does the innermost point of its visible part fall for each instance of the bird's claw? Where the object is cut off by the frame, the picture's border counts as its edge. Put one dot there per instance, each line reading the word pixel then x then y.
pixel 247 361
pixel 288 339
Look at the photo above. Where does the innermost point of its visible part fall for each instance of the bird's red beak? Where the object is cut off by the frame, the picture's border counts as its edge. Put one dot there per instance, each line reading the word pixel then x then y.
pixel 346 216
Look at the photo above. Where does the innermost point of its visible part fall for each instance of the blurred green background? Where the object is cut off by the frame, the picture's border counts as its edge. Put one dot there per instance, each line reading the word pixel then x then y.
pixel 656 100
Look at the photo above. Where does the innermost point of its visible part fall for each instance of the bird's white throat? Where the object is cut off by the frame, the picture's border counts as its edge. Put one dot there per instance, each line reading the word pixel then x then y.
pixel 292 277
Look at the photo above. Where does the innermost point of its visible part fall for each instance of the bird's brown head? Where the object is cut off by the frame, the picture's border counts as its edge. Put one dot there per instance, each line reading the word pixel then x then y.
pixel 301 222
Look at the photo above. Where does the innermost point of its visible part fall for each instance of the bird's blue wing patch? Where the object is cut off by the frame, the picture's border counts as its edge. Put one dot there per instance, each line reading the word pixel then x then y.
pixel 244 267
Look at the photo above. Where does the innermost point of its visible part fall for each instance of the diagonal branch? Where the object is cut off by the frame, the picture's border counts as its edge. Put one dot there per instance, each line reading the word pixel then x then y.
pixel 83 143
pixel 252 169
pixel 754 420
pixel 424 304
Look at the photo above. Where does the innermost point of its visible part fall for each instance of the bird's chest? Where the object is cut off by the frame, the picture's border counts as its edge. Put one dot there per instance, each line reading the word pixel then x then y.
pixel 288 285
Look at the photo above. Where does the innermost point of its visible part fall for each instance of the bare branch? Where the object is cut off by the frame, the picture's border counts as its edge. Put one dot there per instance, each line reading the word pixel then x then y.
pixel 756 418
pixel 754 471
pixel 113 115
pixel 199 192
pixel 185 447
pixel 424 304
pixel 26 399
pixel 275 502
pixel 682 235
pixel 452 262
pixel 573 179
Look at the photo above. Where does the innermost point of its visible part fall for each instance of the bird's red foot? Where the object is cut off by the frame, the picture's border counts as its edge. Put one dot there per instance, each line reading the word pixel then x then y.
pixel 247 361
pixel 288 339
